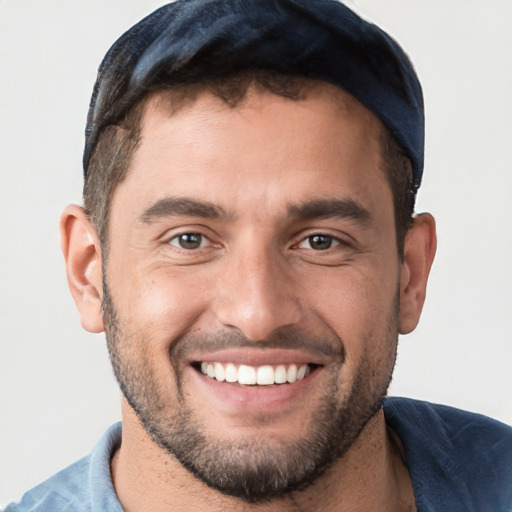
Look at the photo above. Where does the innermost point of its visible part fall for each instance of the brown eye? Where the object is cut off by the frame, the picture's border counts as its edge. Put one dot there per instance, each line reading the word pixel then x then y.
pixel 188 241
pixel 319 242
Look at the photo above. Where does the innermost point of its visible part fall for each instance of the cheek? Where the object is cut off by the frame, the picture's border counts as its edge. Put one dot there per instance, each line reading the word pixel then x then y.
pixel 162 305
pixel 359 309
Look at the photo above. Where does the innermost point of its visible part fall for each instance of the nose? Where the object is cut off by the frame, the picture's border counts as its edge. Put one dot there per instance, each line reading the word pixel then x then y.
pixel 257 294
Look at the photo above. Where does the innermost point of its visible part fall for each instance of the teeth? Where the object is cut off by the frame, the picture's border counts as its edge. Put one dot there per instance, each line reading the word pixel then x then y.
pixel 301 372
pixel 280 374
pixel 231 373
pixel 265 376
pixel 220 374
pixel 249 375
pixel 291 374
pixel 246 375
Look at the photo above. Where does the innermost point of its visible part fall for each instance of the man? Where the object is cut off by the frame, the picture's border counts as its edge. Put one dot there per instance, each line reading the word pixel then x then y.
pixel 248 245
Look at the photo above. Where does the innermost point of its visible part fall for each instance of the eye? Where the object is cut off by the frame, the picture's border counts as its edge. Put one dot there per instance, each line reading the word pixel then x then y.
pixel 189 241
pixel 319 242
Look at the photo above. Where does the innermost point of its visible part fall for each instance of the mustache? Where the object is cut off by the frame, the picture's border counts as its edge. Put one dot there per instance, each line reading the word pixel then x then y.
pixel 290 337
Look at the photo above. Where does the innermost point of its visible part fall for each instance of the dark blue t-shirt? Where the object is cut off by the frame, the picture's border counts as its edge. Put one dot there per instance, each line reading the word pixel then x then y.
pixel 459 462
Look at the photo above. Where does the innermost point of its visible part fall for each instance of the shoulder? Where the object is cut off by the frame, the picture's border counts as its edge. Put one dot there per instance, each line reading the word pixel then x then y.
pixel 455 457
pixel 85 486
pixel 62 492
pixel 449 422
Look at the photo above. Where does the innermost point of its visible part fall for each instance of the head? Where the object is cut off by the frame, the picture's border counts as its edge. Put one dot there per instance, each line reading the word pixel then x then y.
pixel 255 203
pixel 182 47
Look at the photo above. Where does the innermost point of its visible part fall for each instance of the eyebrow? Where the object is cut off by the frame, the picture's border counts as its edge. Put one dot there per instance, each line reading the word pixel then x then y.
pixel 315 209
pixel 328 208
pixel 182 206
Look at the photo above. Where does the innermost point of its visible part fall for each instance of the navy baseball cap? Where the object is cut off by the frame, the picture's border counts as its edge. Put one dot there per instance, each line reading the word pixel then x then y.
pixel 318 39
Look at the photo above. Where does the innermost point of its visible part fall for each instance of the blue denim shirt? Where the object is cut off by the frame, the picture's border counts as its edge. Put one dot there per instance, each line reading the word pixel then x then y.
pixel 85 486
pixel 459 462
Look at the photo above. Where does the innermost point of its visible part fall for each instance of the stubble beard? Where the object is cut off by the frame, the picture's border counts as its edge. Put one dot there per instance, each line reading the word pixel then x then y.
pixel 256 469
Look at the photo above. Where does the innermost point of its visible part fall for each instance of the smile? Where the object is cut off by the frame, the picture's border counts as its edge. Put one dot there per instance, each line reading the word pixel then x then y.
pixel 266 375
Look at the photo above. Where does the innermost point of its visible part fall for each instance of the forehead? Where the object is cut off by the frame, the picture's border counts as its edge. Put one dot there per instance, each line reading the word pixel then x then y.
pixel 302 99
pixel 267 148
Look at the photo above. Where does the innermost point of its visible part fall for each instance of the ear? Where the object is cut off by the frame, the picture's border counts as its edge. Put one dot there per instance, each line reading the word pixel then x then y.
pixel 82 254
pixel 419 252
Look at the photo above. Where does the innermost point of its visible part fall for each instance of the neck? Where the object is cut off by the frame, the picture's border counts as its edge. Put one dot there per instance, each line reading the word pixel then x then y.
pixel 371 476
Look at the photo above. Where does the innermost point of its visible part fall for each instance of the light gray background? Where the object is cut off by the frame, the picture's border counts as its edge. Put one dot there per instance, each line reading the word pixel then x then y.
pixel 56 390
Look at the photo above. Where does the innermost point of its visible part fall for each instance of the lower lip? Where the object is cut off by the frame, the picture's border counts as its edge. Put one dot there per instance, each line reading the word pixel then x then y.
pixel 256 399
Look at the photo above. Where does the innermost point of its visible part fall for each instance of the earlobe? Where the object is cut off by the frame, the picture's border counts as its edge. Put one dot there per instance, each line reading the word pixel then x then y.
pixel 82 254
pixel 419 252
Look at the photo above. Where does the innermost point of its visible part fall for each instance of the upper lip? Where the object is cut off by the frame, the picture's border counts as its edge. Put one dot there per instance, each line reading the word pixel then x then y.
pixel 260 357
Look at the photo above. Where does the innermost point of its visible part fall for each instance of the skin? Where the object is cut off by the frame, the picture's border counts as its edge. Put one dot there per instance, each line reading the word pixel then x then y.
pixel 256 274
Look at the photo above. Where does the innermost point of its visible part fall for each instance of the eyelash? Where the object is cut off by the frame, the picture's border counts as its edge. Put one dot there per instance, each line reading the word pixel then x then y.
pixel 329 240
pixel 191 234
pixel 332 241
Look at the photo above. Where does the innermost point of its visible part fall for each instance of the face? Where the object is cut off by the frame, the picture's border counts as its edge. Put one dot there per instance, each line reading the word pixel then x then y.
pixel 251 289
